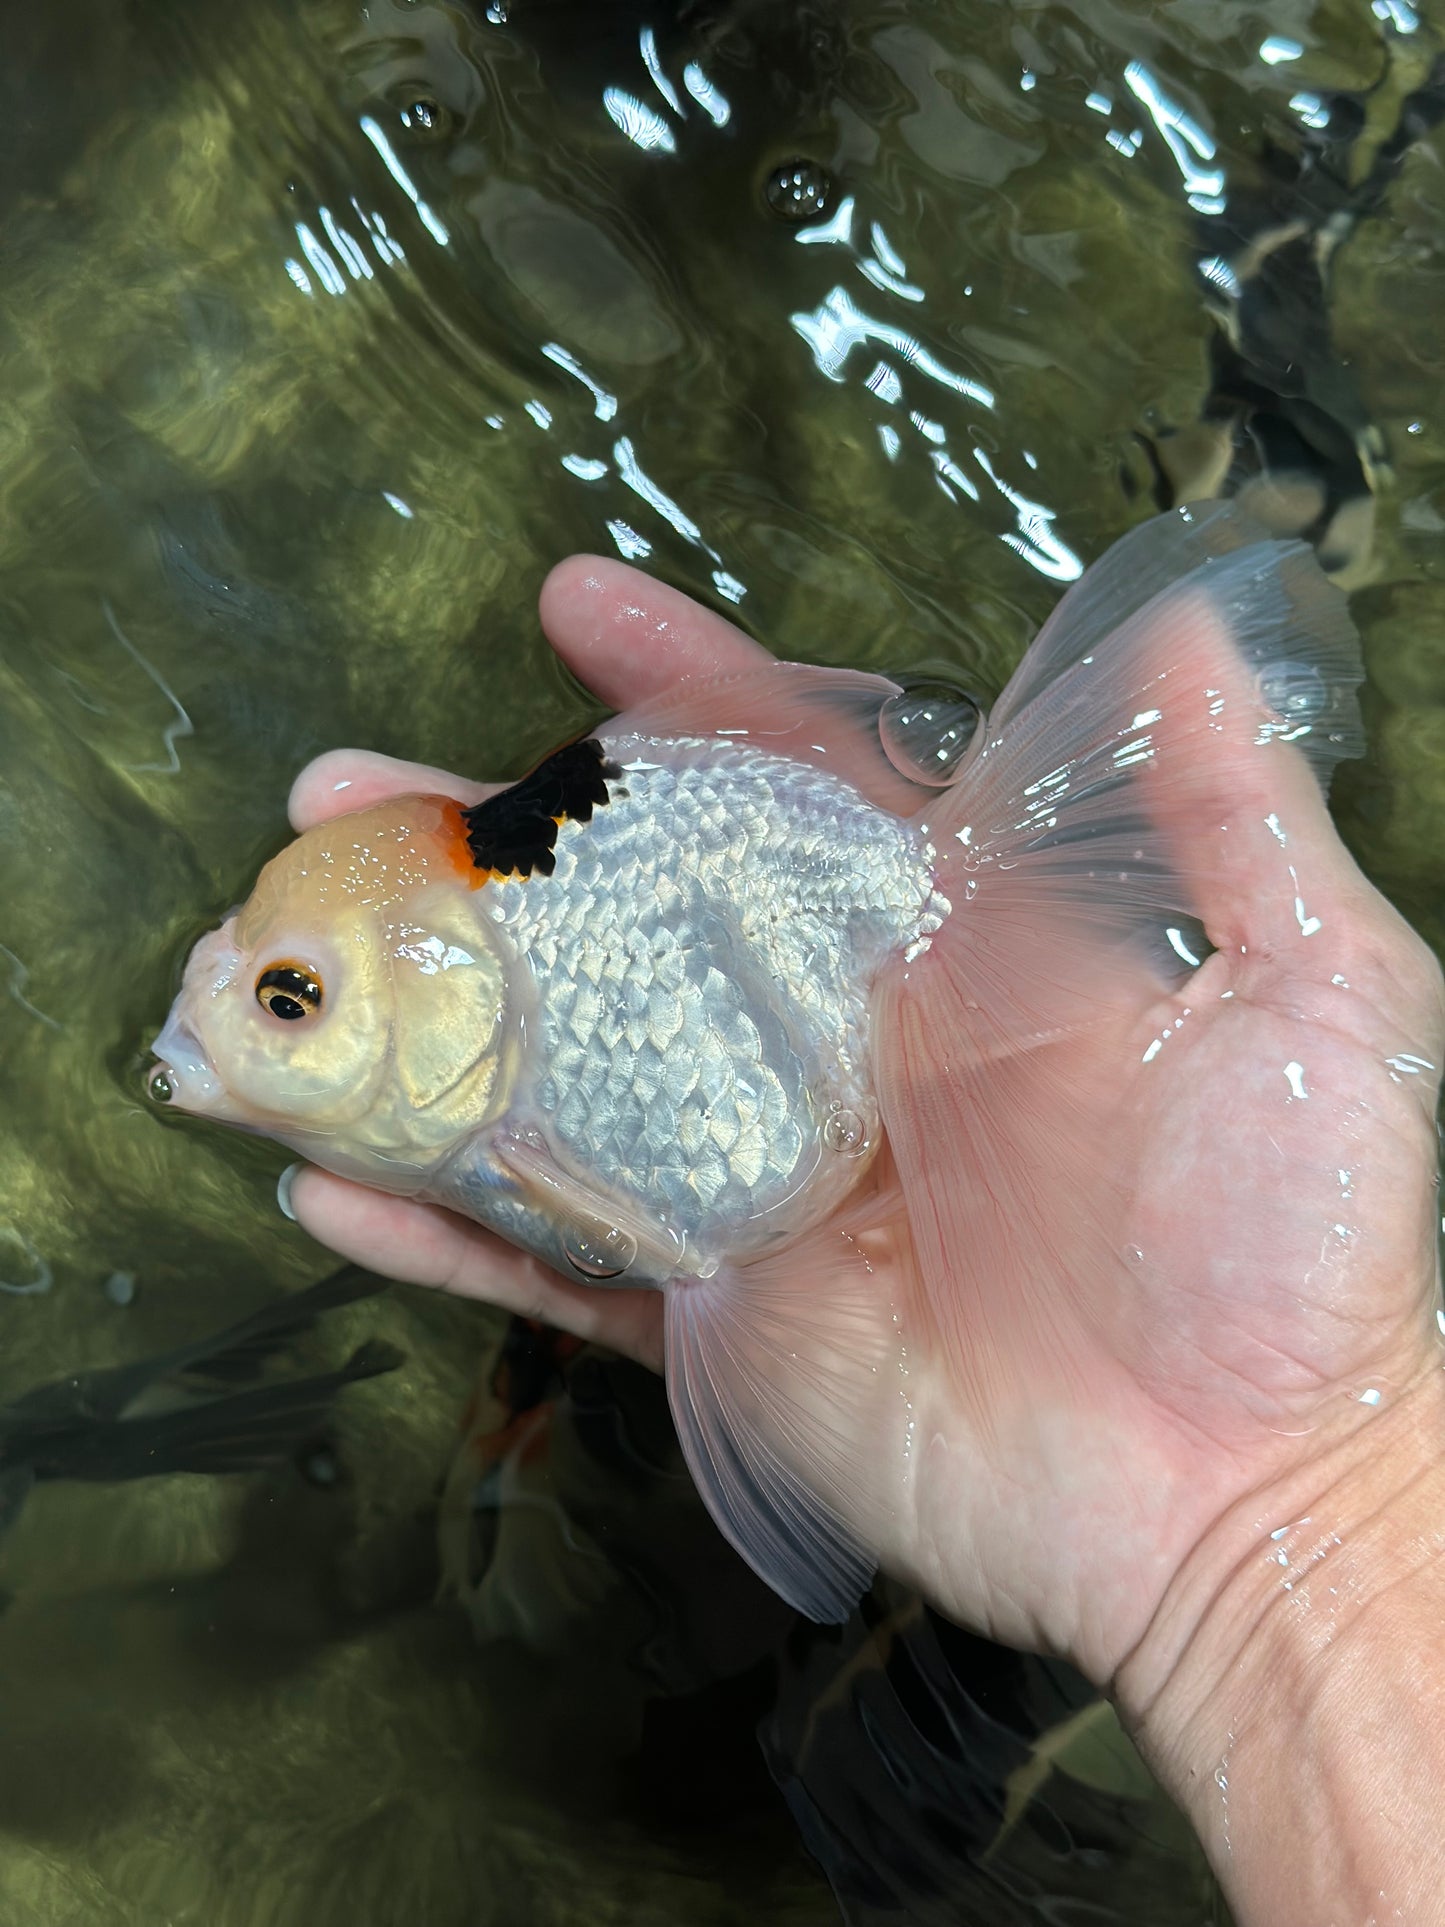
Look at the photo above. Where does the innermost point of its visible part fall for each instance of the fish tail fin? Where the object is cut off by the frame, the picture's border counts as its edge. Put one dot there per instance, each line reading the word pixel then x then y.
pixel 238 1353
pixel 250 1431
pixel 1123 810
pixel 784 1380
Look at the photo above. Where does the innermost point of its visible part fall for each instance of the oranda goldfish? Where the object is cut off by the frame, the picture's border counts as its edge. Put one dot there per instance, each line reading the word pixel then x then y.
pixel 655 1011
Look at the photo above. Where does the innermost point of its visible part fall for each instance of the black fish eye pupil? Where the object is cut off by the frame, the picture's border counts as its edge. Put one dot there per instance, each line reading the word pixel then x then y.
pixel 288 992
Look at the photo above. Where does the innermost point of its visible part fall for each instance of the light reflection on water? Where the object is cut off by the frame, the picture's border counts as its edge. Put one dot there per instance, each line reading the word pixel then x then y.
pixel 324 334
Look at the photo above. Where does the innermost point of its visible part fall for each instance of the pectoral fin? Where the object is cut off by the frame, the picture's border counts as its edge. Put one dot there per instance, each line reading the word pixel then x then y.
pixel 628 1246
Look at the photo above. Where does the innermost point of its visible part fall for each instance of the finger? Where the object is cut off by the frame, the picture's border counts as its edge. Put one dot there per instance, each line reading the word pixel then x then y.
pixel 630 638
pixel 421 1244
pixel 353 779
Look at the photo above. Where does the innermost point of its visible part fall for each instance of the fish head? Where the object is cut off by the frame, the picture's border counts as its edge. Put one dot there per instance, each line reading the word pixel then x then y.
pixel 360 1006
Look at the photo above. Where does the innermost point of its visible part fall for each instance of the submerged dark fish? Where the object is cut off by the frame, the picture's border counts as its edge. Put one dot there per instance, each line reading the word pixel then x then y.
pixel 1284 427
pixel 143 1421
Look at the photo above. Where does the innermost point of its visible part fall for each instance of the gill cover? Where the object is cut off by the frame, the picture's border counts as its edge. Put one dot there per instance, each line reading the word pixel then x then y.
pixel 449 998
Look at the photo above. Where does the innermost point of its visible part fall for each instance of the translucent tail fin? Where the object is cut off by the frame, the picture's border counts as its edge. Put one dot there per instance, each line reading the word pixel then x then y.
pixel 1118 815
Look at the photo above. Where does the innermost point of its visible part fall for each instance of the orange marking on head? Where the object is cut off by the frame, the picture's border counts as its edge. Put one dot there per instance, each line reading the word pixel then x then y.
pixel 452 833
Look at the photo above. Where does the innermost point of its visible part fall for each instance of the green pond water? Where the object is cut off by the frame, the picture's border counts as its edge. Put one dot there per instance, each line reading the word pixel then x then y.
pixel 325 329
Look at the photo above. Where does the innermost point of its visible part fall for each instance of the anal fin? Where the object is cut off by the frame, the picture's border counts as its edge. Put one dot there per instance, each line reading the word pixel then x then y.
pixel 784 1378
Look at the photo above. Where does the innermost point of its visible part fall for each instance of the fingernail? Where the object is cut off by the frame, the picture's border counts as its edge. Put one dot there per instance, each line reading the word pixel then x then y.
pixel 283 1191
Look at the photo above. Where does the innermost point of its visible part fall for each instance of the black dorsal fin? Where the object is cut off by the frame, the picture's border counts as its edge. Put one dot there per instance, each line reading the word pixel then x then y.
pixel 515 832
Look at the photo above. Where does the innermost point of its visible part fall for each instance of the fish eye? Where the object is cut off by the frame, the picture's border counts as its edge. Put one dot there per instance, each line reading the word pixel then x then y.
pixel 289 991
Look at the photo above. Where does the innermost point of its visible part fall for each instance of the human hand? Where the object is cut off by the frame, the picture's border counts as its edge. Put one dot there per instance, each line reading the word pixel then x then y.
pixel 1199 1267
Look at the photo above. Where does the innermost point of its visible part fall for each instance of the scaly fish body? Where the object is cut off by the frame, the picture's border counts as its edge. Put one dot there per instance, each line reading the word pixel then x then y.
pixel 695 975
pixel 651 1012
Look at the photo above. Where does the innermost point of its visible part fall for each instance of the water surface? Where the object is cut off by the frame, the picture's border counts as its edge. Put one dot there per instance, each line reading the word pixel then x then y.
pixel 324 332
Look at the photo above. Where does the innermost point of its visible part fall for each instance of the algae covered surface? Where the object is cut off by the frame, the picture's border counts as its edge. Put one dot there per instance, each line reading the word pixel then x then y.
pixel 325 330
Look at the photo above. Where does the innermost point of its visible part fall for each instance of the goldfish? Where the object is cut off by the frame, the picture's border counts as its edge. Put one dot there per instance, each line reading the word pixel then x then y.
pixel 694 1001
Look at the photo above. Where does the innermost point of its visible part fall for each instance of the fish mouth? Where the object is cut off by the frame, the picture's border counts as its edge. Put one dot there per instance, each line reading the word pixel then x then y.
pixel 182 1074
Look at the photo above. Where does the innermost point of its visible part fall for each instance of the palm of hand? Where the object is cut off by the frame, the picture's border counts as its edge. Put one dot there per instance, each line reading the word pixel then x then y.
pixel 1180 1280
pixel 1251 1213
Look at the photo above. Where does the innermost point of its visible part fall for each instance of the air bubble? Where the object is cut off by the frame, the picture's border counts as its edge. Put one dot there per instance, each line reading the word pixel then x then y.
pixel 844 1130
pixel 423 117
pixel 160 1087
pixel 119 1288
pixel 925 730
pixel 1295 691
pixel 799 190
pixel 606 1252
pixel 320 1467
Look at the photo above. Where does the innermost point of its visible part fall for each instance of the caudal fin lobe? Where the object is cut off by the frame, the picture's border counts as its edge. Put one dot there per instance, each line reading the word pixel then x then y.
pixel 1190 693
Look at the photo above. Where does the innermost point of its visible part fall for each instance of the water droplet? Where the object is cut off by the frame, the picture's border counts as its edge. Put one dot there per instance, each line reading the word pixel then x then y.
pixel 843 1130
pixel 799 190
pixel 1134 1254
pixel 1295 691
pixel 925 730
pixel 159 1087
pixel 605 1251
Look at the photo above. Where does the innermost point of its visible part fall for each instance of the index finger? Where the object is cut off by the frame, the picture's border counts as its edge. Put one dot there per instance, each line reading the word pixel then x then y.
pixel 630 638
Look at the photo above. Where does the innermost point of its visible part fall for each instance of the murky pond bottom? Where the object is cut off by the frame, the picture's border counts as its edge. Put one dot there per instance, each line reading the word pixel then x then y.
pixel 324 332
